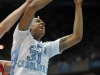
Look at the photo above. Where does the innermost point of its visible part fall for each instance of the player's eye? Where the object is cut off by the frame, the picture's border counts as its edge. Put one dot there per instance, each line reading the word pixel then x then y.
pixel 37 20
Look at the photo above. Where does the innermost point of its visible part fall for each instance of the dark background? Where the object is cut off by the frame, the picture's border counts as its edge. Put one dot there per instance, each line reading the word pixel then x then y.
pixel 59 18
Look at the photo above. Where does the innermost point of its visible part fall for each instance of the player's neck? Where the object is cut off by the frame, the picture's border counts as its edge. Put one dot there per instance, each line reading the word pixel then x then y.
pixel 37 39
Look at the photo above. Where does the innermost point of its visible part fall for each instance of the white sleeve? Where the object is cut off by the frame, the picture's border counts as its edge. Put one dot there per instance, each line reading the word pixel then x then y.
pixel 54 48
pixel 19 35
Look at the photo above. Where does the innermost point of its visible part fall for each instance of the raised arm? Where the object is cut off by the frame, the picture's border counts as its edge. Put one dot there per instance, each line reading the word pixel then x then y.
pixel 28 16
pixel 76 36
pixel 9 21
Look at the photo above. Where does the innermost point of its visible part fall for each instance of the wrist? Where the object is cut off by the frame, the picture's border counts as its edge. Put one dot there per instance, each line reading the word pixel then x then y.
pixel 27 3
pixel 79 5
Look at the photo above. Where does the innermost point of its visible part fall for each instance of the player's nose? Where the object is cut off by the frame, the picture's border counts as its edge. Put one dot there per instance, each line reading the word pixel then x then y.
pixel 42 23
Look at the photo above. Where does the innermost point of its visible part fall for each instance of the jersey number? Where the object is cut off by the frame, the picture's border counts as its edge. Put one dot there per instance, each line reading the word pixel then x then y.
pixel 34 55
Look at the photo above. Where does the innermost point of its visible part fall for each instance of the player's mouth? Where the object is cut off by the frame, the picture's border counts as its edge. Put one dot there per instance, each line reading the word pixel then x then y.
pixel 42 27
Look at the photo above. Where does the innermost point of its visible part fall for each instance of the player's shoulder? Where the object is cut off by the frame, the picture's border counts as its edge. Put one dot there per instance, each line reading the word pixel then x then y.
pixel 51 42
pixel 47 43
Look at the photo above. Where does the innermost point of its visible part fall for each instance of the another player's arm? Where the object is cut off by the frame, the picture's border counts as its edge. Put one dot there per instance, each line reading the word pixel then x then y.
pixel 9 21
pixel 76 36
pixel 28 16
pixel 7 65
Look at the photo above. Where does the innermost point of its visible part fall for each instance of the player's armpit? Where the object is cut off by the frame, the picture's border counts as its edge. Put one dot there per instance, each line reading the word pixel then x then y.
pixel 63 45
pixel 68 41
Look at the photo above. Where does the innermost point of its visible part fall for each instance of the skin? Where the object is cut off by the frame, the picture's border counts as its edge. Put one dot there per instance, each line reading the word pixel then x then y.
pixel 36 31
pixel 6 24
pixel 11 19
pixel 7 65
pixel 76 36
pixel 37 26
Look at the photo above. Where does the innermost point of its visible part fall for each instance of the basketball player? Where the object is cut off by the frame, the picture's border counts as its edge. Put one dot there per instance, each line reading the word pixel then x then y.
pixel 5 25
pixel 29 55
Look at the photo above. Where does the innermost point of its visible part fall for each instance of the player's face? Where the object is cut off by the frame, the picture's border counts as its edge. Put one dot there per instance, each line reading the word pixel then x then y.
pixel 37 28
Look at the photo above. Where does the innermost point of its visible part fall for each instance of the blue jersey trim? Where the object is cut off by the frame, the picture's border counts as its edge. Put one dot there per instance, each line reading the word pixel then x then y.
pixel 14 56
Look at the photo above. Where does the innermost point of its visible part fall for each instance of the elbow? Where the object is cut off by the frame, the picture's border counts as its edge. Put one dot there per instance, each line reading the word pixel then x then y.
pixel 78 38
pixel 4 28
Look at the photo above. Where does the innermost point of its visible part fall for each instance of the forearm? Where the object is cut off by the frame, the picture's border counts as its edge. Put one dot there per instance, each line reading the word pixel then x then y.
pixel 72 39
pixel 7 65
pixel 8 22
pixel 39 4
pixel 28 16
pixel 78 23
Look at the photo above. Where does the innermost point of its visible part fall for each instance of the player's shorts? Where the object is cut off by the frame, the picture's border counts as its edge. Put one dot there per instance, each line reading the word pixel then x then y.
pixel 1 69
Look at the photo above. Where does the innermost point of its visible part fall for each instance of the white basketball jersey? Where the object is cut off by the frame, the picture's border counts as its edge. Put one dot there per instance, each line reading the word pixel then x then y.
pixel 30 57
